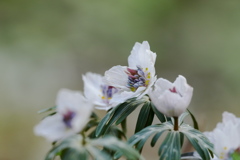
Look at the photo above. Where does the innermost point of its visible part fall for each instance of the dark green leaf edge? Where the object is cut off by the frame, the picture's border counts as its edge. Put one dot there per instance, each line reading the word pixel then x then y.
pixel 195 124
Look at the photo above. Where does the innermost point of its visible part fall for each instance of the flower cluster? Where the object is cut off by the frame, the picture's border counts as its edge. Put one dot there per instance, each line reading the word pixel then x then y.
pixel 121 90
pixel 119 84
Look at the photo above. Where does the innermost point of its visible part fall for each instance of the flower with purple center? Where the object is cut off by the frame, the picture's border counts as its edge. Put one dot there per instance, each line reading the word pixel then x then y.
pixel 73 112
pixel 99 93
pixel 136 79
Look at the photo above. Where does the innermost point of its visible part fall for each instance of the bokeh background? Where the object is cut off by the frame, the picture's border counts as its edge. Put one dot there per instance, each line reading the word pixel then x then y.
pixel 48 45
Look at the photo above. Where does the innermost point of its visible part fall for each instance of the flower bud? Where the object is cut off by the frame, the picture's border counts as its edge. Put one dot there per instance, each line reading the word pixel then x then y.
pixel 171 99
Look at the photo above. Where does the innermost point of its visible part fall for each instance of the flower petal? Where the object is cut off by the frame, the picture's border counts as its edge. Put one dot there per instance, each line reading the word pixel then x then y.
pixel 69 100
pixel 181 84
pixel 92 86
pixel 141 55
pixel 162 84
pixel 52 128
pixel 117 77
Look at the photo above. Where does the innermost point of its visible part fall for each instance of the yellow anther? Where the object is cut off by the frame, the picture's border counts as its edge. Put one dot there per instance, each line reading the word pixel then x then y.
pixel 225 148
pixel 133 89
pixel 149 75
pixel 146 82
pixel 103 97
pixel 146 69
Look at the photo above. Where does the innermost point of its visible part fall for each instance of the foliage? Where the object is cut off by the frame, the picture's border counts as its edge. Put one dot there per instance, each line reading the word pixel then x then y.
pixel 78 133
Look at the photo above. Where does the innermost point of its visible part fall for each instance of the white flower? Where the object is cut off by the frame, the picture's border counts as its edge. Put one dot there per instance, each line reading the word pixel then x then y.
pixel 171 99
pixel 136 79
pixel 226 137
pixel 73 112
pixel 99 93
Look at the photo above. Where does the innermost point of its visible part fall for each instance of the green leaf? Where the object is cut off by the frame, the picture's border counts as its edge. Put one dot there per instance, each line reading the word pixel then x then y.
pixel 76 148
pixel 90 124
pixel 140 138
pixel 74 154
pixel 181 138
pixel 155 138
pixel 71 142
pixel 118 114
pixel 101 125
pixel 235 156
pixel 189 156
pixel 97 153
pixel 160 116
pixel 195 124
pixel 182 117
pixel 124 125
pixel 47 109
pixel 127 110
pixel 116 132
pixel 114 144
pixel 198 140
pixel 170 148
pixel 145 117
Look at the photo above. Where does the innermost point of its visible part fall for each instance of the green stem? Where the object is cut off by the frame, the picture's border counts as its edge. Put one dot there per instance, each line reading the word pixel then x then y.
pixel 175 123
pixel 83 136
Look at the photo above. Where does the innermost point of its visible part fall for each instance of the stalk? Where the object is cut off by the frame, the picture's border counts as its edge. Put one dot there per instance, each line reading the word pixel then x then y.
pixel 175 123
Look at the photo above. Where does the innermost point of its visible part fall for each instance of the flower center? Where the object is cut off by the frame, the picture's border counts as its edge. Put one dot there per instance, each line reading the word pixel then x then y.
pixel 68 117
pixel 107 92
pixel 137 78
pixel 173 90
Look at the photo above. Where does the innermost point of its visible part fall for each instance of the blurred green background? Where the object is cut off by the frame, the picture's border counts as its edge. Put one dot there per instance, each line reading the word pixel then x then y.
pixel 48 45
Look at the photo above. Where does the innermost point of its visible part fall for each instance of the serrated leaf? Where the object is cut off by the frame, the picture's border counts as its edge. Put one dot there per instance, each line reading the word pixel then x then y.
pixel 160 116
pixel 170 148
pixel 145 117
pixel 198 140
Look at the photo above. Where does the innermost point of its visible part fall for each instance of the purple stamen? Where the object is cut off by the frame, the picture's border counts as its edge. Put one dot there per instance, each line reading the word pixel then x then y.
pixel 68 117
pixel 132 71
pixel 107 92
pixel 136 78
